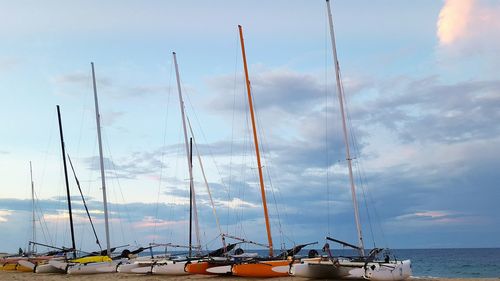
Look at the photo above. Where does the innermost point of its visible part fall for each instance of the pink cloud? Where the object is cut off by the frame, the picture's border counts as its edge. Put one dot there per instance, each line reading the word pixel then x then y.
pixel 453 20
pixel 471 25
pixel 4 214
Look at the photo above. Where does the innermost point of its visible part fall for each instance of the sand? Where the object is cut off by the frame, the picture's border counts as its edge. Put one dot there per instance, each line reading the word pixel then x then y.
pixel 20 276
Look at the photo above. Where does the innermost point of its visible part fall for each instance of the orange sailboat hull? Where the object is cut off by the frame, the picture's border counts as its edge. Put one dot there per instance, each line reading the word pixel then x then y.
pixel 261 269
pixel 200 268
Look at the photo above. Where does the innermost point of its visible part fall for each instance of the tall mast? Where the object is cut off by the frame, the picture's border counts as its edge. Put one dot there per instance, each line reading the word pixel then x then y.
pixel 256 141
pixel 33 237
pixel 190 165
pixel 67 182
pixel 190 200
pixel 340 93
pixel 101 162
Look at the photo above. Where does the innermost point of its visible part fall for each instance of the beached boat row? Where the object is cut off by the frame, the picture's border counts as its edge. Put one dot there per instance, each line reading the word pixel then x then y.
pixel 225 261
pixel 243 265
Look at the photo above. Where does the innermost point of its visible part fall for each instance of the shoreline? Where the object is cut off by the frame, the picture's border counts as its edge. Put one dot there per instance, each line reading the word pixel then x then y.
pixel 28 276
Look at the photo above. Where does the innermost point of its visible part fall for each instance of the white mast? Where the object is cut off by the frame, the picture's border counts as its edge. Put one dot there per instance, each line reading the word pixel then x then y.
pixel 101 162
pixel 340 93
pixel 190 165
pixel 33 209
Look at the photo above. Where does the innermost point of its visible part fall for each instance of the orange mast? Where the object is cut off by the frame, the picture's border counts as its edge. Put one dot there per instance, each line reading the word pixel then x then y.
pixel 261 178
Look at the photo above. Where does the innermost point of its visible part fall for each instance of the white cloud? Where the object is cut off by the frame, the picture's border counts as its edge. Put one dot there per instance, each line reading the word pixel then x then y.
pixel 236 203
pixel 149 222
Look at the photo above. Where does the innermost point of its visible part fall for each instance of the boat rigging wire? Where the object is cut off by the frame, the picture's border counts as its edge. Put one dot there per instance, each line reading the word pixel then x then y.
pixel 163 149
pixel 84 203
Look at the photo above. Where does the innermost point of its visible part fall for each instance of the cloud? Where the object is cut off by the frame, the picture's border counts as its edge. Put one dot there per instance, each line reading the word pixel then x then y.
pixel 63 215
pixel 4 214
pixel 80 79
pixel 73 83
pixel 453 20
pixel 131 167
pixel 236 203
pixel 151 222
pixel 7 64
pixel 439 217
pixel 281 89
pixel 423 138
pixel 472 26
pixel 428 110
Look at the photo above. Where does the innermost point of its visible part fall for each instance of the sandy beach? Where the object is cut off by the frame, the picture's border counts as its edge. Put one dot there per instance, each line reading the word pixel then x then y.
pixel 4 275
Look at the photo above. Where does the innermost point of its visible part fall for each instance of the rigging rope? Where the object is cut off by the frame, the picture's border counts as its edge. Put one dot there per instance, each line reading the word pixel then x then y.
pixel 263 148
pixel 206 182
pixel 84 203
pixel 232 128
pixel 327 154
pixel 163 149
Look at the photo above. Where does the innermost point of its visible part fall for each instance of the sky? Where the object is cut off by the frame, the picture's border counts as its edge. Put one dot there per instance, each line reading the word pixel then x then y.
pixel 422 86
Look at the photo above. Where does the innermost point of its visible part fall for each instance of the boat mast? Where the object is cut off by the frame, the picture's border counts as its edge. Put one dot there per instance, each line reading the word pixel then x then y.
pixel 190 165
pixel 101 162
pixel 256 141
pixel 33 237
pixel 190 200
pixel 340 93
pixel 67 182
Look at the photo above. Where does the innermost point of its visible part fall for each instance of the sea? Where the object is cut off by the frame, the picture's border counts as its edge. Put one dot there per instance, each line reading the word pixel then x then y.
pixel 452 263
pixel 461 263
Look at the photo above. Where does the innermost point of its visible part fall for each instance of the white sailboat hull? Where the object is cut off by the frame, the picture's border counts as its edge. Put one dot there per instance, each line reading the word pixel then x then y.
pixel 319 269
pixel 170 268
pixel 48 268
pixel 347 270
pixel 41 268
pixel 94 267
pixel 61 265
pixel 142 270
pixel 136 267
pixel 400 270
pixel 27 264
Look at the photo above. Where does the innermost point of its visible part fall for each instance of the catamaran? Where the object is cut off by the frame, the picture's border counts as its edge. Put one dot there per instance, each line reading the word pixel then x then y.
pixel 364 266
pixel 98 263
pixel 40 264
pixel 249 265
pixel 24 261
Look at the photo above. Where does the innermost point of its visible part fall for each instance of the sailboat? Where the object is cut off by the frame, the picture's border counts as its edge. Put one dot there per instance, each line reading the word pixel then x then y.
pixel 177 267
pixel 249 265
pixel 45 266
pixel 58 262
pixel 23 262
pixel 365 266
pixel 41 263
pixel 98 263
